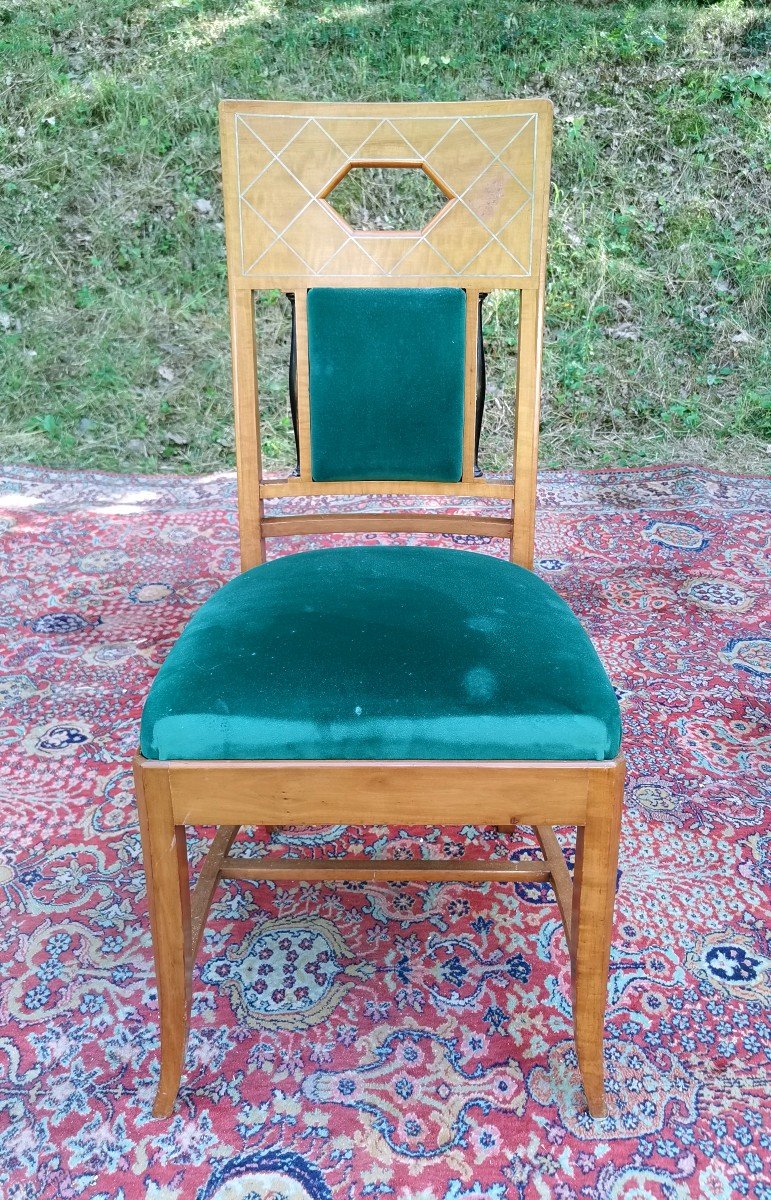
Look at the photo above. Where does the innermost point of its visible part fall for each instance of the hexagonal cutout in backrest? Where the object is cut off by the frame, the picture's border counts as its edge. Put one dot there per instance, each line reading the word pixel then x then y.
pixel 384 199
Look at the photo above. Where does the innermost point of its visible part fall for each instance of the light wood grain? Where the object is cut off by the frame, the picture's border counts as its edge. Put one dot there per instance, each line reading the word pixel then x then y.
pixel 281 163
pixel 283 160
pixel 208 878
pixel 594 892
pixel 541 794
pixel 247 423
pixel 527 407
pixel 479 283
pixel 394 870
pixel 391 522
pixel 386 792
pixel 527 410
pixel 560 875
pixel 164 854
pixel 274 489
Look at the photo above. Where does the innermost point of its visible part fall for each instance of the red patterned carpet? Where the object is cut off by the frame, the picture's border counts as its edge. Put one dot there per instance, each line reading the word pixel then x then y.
pixel 383 1040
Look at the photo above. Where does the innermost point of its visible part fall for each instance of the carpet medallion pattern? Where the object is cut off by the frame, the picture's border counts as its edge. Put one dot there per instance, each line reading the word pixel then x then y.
pixel 384 1040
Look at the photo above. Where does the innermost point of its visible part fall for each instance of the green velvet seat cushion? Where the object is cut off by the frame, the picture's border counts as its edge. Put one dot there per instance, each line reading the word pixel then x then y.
pixel 386 383
pixel 381 652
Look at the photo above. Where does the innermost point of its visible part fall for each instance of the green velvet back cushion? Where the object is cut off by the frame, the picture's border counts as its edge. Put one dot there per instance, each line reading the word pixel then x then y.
pixel 386 383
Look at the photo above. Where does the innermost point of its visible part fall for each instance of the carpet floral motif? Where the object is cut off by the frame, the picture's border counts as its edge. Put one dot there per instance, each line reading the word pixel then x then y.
pixel 386 1040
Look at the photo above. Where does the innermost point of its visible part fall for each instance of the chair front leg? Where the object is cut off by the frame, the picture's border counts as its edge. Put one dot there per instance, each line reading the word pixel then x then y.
pixel 168 893
pixel 594 893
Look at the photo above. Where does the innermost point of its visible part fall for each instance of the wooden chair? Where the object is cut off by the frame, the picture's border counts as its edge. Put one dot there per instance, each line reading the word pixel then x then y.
pixel 511 719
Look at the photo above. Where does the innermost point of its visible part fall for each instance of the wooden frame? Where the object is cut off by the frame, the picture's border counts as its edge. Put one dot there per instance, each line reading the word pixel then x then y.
pixel 280 163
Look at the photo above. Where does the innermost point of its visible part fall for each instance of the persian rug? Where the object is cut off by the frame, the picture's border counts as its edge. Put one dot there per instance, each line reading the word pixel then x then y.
pixel 406 1041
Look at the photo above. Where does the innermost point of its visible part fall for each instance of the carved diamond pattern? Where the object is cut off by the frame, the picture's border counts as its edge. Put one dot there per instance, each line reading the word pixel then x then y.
pixel 314 158
pixel 288 164
pixel 276 196
pixel 459 158
pixel 316 236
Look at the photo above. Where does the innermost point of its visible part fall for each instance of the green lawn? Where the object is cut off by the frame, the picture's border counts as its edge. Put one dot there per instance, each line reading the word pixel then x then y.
pixel 113 323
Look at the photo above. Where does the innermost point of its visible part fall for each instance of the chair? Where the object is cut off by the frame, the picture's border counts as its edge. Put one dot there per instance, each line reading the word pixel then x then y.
pixel 383 684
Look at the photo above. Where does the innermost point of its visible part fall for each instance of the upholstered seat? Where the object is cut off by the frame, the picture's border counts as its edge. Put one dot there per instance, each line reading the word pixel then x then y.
pixel 379 652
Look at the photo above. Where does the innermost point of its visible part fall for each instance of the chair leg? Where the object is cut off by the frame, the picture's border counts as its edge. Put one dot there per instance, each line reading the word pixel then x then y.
pixel 168 893
pixel 594 891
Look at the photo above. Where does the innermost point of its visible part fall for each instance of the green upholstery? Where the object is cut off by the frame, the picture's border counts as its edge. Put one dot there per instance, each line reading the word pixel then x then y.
pixel 386 383
pixel 383 652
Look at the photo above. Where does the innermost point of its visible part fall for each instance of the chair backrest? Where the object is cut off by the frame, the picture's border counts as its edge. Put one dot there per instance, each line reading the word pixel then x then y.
pixel 404 304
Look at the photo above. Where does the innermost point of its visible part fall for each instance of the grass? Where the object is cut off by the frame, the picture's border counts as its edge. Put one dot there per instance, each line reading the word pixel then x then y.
pixel 113 323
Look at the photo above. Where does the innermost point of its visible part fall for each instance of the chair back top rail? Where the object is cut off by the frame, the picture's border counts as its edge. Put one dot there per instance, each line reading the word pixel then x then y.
pixel 281 160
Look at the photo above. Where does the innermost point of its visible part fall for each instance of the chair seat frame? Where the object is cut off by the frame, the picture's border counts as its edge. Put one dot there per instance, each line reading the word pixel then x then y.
pixel 172 795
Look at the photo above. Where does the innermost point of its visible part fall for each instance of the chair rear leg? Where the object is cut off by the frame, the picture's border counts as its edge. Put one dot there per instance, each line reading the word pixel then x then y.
pixel 168 893
pixel 594 892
